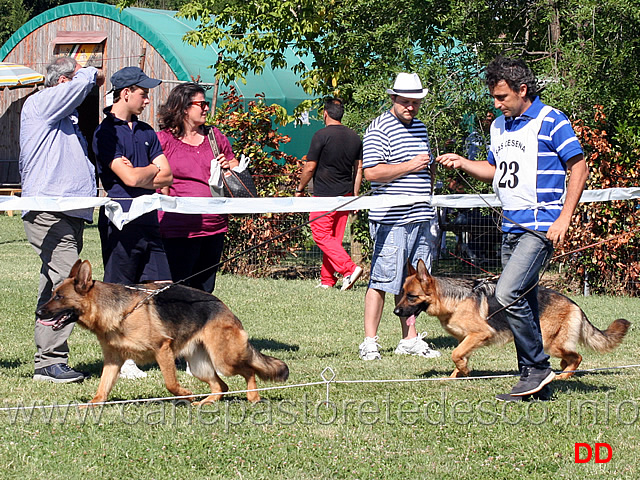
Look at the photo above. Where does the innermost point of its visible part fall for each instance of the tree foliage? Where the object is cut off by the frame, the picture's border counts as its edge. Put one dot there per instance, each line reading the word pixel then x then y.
pixel 585 53
pixel 611 264
pixel 14 16
pixel 252 133
pixel 343 40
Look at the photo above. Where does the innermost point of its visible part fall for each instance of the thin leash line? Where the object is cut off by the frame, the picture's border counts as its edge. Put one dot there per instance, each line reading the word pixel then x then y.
pixel 310 384
pixel 539 234
pixel 601 242
pixel 499 212
pixel 554 258
pixel 543 237
pixel 298 227
pixel 543 270
pixel 472 264
pixel 240 254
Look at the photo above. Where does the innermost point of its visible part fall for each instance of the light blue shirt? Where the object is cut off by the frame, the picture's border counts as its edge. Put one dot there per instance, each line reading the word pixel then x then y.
pixel 53 151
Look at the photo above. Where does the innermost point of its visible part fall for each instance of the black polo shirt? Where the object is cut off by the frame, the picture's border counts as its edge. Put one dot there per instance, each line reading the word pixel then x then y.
pixel 113 139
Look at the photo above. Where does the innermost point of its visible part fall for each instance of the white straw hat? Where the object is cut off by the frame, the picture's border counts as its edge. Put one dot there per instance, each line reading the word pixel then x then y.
pixel 408 85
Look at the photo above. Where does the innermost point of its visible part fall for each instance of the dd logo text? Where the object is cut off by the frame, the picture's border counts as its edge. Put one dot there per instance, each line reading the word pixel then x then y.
pixel 584 452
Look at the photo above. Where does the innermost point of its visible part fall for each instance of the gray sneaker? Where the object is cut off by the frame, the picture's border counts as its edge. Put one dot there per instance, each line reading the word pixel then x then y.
pixel 532 380
pixel 544 395
pixel 369 349
pixel 417 346
pixel 58 373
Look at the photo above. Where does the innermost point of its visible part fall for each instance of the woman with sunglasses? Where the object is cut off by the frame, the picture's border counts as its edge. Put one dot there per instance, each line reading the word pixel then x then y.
pixel 193 242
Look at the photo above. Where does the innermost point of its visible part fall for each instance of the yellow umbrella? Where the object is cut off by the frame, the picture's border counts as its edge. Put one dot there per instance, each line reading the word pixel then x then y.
pixel 16 75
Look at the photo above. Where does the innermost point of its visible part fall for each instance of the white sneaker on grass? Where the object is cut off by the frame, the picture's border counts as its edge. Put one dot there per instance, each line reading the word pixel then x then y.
pixel 369 349
pixel 350 280
pixel 131 371
pixel 417 346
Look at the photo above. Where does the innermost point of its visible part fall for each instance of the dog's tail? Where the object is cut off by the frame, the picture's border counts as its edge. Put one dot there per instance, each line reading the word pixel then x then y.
pixel 266 367
pixel 606 341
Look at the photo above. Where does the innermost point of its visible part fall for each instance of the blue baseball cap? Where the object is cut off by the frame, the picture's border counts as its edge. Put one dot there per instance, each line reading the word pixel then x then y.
pixel 129 76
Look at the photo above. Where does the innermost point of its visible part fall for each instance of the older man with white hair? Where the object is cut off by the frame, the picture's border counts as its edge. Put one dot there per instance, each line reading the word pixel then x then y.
pixel 54 163
pixel 397 155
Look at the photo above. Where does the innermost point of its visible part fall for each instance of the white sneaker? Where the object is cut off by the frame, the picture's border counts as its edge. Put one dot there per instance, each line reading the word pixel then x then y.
pixel 369 349
pixel 349 280
pixel 416 346
pixel 323 286
pixel 131 371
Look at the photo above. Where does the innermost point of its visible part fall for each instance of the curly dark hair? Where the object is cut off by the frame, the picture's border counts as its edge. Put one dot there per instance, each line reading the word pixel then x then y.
pixel 173 112
pixel 513 71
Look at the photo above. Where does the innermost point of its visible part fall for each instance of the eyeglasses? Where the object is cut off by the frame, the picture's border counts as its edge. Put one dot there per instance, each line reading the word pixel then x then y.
pixel 203 104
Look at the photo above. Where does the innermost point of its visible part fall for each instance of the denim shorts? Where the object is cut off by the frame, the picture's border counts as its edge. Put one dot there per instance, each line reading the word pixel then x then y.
pixel 393 247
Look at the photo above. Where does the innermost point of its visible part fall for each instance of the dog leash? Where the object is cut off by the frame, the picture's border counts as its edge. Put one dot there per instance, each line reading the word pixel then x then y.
pixel 601 242
pixel 543 237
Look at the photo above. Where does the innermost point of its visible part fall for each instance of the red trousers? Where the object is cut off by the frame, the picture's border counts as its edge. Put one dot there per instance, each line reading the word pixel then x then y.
pixel 328 233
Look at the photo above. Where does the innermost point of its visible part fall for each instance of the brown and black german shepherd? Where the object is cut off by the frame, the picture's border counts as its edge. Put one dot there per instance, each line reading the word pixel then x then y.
pixel 179 321
pixel 463 306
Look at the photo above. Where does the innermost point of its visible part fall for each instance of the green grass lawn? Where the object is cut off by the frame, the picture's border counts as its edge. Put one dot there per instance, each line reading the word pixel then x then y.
pixel 371 428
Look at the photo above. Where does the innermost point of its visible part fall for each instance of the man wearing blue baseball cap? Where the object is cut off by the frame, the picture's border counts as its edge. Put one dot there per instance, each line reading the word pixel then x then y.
pixel 129 76
pixel 130 164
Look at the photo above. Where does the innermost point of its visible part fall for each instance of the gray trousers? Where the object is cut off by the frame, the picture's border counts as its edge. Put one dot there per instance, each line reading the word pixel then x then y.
pixel 57 239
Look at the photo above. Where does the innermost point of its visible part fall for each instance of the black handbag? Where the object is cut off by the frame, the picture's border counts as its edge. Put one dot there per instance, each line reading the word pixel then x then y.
pixel 236 184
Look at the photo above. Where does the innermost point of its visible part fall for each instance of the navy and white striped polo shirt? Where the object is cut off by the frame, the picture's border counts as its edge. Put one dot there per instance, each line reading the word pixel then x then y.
pixel 388 140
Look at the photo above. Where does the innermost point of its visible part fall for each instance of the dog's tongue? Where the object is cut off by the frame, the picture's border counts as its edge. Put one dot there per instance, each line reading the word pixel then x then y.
pixel 47 323
pixel 411 320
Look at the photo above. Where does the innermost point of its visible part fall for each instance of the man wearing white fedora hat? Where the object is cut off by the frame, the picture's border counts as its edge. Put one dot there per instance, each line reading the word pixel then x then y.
pixel 397 158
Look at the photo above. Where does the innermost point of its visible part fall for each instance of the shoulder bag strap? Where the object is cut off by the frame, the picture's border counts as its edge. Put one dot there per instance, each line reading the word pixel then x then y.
pixel 213 143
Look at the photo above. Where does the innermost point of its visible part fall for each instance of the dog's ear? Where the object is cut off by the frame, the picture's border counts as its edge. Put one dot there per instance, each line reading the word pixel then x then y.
pixel 83 281
pixel 410 269
pixel 75 268
pixel 423 273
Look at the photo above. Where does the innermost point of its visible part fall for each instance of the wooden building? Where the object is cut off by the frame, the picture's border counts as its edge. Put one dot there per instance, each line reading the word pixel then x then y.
pixel 103 36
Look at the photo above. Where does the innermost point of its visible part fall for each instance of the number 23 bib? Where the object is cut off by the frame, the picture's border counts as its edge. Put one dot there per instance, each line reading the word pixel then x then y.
pixel 516 156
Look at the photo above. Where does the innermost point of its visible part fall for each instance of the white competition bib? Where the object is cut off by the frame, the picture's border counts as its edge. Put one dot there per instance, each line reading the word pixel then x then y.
pixel 516 155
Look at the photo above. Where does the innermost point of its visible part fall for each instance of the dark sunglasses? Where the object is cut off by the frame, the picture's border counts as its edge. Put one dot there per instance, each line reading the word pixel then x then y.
pixel 202 104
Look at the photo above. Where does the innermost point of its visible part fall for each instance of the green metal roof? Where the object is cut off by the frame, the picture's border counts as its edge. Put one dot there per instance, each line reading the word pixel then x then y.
pixel 164 32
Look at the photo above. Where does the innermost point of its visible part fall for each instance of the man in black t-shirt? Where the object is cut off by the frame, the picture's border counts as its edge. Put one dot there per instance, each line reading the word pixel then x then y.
pixel 334 162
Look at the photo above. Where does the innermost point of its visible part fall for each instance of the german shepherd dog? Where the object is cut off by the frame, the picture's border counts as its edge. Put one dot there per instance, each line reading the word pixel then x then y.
pixel 132 323
pixel 463 306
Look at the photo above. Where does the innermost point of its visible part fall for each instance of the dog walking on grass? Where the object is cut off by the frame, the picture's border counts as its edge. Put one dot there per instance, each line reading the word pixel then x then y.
pixel 463 306
pixel 179 321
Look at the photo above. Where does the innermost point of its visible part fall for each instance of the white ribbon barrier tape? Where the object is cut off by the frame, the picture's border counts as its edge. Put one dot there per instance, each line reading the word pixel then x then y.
pixel 148 203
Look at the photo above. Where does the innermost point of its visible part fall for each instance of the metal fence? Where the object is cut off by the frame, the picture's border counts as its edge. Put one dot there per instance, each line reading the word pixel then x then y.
pixel 469 245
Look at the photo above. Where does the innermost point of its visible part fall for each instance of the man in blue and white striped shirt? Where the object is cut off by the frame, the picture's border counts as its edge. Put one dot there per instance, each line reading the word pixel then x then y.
pixel 397 158
pixel 532 146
